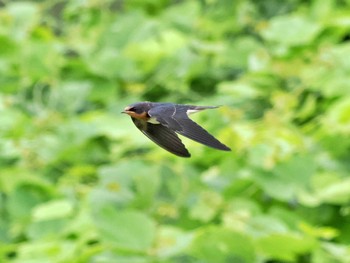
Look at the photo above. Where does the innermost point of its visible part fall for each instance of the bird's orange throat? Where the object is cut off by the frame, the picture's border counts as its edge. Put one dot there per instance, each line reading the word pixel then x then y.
pixel 143 116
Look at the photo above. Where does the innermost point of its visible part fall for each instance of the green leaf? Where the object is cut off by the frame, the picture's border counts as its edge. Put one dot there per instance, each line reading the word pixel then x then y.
pixel 71 96
pixel 147 186
pixel 216 244
pixel 266 225
pixel 110 63
pixel 44 251
pixel 24 198
pixel 331 188
pixel 291 30
pixel 54 209
pixel 46 229
pixel 289 178
pixel 335 252
pixel 285 246
pixel 172 241
pixel 207 206
pixel 338 118
pixel 111 256
pixel 24 15
pixel 125 229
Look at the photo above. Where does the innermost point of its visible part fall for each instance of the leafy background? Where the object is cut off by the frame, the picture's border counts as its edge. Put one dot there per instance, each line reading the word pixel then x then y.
pixel 79 183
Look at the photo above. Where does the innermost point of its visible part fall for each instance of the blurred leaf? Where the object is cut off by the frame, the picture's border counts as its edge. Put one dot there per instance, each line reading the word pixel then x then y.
pixel 24 198
pixel 319 232
pixel 110 257
pixel 216 244
pixel 288 178
pixel 110 63
pixel 25 15
pixel 266 225
pixel 274 246
pixel 52 210
pixel 172 241
pixel 291 30
pixel 147 186
pixel 238 214
pixel 337 252
pixel 46 228
pixel 328 71
pixel 338 118
pixel 45 251
pixel 128 230
pixel 206 206
pixel 236 54
pixel 332 189
pixel 70 96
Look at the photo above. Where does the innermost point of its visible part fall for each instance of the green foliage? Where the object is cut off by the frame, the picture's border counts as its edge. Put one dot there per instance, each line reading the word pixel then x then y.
pixel 79 183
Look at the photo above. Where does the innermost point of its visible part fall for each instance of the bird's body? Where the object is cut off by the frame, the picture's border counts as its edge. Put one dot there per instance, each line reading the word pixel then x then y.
pixel 161 121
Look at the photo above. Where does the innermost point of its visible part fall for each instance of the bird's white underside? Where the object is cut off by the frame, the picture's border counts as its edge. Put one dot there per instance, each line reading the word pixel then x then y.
pixel 154 120
pixel 192 111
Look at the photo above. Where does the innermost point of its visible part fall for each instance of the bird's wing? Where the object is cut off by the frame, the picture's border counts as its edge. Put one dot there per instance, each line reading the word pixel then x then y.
pixel 162 136
pixel 175 117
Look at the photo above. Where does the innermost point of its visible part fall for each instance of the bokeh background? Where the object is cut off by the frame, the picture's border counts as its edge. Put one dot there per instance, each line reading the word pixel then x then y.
pixel 79 183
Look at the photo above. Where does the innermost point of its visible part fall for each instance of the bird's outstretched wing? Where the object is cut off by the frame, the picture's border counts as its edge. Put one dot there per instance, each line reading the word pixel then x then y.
pixel 175 117
pixel 163 136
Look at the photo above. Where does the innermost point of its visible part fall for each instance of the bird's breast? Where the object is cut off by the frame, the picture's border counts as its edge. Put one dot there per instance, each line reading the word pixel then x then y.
pixel 153 121
pixel 191 111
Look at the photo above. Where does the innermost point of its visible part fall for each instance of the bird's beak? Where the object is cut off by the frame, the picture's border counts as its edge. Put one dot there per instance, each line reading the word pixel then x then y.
pixel 126 110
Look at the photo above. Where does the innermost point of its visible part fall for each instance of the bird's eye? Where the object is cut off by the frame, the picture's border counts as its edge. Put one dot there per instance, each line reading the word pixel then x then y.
pixel 132 109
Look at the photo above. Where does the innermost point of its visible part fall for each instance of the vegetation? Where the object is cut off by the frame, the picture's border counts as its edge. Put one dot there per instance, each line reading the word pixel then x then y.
pixel 79 183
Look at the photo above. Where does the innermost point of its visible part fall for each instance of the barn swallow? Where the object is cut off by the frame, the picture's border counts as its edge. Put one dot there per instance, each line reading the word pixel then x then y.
pixel 161 121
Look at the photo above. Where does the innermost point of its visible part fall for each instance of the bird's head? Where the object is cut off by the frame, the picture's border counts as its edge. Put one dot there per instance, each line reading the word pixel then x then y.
pixel 137 110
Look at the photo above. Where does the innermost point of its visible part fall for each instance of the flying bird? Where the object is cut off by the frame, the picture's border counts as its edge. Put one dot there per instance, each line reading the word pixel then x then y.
pixel 161 121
